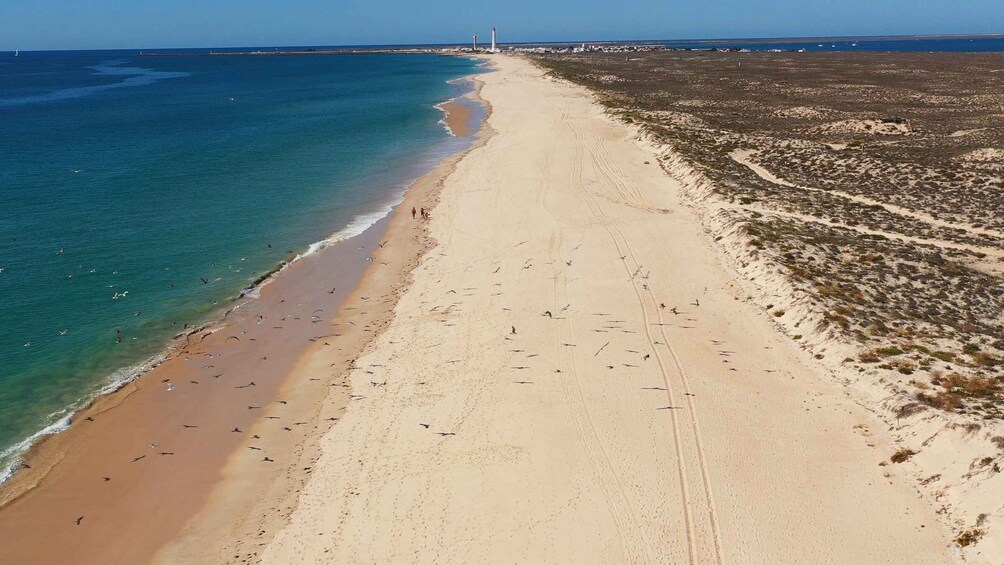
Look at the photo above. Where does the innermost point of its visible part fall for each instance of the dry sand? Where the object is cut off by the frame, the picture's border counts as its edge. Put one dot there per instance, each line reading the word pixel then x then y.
pixel 575 376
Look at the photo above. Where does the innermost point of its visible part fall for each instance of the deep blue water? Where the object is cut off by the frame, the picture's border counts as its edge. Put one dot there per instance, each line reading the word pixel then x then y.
pixel 923 44
pixel 125 180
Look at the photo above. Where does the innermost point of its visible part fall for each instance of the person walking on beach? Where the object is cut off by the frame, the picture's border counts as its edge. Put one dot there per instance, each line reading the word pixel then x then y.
pixel 412 212
pixel 423 214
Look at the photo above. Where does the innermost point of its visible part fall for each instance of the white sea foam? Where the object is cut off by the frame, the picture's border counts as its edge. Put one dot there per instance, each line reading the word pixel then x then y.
pixel 10 458
pixel 357 226
pixel 441 105
pixel 123 376
pixel 442 108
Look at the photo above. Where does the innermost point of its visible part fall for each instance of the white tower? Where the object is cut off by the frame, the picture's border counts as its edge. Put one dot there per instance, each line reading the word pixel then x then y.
pixel 493 39
pixel 475 42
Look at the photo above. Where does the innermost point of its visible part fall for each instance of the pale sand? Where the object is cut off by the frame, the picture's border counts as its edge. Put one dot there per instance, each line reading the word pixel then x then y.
pixel 725 445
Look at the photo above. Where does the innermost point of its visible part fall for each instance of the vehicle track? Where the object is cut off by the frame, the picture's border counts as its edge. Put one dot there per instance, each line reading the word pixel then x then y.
pixel 588 437
pixel 647 301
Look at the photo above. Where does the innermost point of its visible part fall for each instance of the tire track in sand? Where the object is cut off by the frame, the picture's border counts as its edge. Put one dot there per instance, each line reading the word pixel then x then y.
pixel 619 503
pixel 601 218
pixel 647 300
pixel 612 173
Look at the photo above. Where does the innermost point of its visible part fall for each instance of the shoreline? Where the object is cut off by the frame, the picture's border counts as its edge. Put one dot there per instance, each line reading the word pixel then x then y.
pixel 457 117
pixel 573 376
pixel 212 322
pixel 247 508
pixel 27 493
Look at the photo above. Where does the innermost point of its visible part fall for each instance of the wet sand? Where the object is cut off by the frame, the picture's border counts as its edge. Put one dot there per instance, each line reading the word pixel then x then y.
pixel 459 116
pixel 253 502
pixel 237 403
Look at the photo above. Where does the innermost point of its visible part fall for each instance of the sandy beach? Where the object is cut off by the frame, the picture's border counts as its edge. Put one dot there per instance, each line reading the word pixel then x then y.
pixel 576 375
pixel 560 366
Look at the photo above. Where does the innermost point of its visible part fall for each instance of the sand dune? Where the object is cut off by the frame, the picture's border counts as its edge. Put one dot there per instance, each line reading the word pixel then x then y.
pixel 744 158
pixel 574 376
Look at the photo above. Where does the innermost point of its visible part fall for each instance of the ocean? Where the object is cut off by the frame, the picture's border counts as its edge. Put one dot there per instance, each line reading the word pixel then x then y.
pixel 140 194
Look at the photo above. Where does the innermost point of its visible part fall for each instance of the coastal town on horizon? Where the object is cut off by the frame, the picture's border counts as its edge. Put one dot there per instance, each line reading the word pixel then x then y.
pixel 742 45
pixel 749 44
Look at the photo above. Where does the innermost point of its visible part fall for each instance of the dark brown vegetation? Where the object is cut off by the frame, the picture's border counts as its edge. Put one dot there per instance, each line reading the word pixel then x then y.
pixel 874 180
pixel 969 537
pixel 902 455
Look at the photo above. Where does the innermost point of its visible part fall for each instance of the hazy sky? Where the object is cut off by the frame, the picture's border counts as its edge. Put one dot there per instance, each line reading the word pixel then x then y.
pixel 90 24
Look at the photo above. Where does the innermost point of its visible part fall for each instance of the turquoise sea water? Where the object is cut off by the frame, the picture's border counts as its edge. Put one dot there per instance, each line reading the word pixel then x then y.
pixel 139 194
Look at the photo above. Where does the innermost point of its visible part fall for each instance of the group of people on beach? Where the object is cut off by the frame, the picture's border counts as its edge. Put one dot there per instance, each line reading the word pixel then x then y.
pixel 423 211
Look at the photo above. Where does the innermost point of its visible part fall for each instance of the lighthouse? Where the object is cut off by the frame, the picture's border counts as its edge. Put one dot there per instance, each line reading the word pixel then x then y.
pixel 475 42
pixel 493 39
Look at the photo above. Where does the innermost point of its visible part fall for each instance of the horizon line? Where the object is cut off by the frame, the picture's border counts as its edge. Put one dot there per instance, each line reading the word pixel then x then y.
pixel 452 44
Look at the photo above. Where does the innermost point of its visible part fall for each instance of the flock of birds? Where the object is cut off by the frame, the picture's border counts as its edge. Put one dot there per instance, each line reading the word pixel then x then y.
pixel 118 295
pixel 209 358
pixel 202 359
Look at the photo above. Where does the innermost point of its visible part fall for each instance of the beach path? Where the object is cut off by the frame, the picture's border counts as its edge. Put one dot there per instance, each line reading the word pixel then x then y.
pixel 574 376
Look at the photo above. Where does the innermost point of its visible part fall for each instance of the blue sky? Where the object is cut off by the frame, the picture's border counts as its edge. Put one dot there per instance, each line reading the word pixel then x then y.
pixel 91 24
